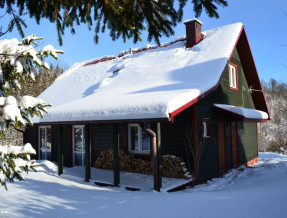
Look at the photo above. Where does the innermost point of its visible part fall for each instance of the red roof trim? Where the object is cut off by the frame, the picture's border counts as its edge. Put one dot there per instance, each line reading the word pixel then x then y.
pixel 261 106
pixel 187 105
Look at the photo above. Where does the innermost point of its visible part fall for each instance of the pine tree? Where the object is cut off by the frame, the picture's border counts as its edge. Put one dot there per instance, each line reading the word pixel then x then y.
pixel 18 61
pixel 124 18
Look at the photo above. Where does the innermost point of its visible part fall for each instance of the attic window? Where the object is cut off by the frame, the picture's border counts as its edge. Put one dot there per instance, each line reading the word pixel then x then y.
pixel 233 76
pixel 139 141
pixel 206 128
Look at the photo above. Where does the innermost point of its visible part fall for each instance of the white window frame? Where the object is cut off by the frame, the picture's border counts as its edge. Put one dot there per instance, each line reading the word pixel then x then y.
pixel 82 152
pixel 232 70
pixel 206 132
pixel 46 140
pixel 139 151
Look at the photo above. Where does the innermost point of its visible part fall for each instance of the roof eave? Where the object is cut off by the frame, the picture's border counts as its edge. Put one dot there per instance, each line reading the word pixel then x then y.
pixel 83 122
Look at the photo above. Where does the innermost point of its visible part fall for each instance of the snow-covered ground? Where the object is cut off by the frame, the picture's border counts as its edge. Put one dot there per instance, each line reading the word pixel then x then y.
pixel 259 191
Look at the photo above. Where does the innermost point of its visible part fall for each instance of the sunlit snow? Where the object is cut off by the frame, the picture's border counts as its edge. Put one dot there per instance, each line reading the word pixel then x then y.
pixel 258 191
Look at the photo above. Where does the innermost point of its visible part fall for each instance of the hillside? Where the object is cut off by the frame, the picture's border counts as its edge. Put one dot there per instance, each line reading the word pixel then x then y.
pixel 273 134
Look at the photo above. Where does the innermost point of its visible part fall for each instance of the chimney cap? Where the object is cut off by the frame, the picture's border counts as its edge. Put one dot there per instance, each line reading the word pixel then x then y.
pixel 194 19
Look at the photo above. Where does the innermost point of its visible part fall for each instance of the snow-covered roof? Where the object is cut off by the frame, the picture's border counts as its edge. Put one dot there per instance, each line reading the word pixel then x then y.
pixel 243 112
pixel 141 85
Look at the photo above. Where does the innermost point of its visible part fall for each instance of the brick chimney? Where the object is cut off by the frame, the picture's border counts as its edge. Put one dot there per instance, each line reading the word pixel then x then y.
pixel 193 32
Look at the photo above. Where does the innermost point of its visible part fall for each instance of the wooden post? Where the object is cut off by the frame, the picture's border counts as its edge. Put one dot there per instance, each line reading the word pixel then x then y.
pixel 116 142
pixel 194 141
pixel 159 155
pixel 87 152
pixel 60 151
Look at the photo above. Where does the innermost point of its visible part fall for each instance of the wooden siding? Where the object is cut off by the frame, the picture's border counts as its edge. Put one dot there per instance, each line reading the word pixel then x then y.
pixel 102 138
pixel 31 138
pixel 173 135
pixel 247 142
pixel 208 167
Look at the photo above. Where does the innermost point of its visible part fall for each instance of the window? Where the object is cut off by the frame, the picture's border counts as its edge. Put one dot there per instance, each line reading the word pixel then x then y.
pixel 45 142
pixel 79 145
pixel 233 79
pixel 139 141
pixel 206 128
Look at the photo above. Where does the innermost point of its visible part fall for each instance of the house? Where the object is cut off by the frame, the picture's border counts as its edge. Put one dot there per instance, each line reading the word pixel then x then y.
pixel 149 100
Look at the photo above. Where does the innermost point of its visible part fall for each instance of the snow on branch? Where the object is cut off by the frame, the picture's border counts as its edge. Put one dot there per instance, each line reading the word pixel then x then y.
pixel 18 62
pixel 14 160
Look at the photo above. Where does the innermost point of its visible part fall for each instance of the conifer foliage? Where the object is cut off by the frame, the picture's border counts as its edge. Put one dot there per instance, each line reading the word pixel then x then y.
pixel 18 62
pixel 124 18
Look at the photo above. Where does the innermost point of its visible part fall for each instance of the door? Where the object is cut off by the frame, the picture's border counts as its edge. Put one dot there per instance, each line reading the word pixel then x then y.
pixel 221 148
pixel 234 143
pixel 45 142
pixel 79 145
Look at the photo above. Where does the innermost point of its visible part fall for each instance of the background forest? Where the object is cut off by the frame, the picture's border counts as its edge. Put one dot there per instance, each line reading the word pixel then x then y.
pixel 273 133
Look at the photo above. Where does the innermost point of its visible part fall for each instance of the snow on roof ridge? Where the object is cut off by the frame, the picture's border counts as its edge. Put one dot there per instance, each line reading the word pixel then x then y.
pixel 132 51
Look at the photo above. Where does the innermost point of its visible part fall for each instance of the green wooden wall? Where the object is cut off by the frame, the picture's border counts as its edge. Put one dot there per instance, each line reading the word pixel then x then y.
pixel 247 132
pixel 247 139
pixel 173 136
pixel 102 138
pixel 30 137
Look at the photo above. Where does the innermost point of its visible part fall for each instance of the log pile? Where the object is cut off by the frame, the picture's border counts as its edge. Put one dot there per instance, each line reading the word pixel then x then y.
pixel 172 166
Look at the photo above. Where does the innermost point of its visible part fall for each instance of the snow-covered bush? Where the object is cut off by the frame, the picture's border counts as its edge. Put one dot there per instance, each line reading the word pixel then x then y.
pixel 18 61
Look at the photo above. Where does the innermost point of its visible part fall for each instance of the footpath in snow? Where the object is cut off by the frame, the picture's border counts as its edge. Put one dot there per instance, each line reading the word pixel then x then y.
pixel 258 191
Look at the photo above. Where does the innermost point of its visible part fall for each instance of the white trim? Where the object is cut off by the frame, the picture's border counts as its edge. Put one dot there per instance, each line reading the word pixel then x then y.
pixel 139 151
pixel 82 152
pixel 45 150
pixel 232 76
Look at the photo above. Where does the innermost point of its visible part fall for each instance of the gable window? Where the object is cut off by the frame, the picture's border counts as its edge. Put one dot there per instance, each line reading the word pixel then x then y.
pixel 206 128
pixel 79 145
pixel 45 143
pixel 233 77
pixel 139 141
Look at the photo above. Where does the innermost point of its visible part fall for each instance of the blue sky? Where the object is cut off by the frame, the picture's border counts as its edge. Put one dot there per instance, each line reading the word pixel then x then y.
pixel 265 22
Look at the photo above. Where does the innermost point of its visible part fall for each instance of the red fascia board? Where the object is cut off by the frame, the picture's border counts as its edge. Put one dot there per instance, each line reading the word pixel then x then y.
pixel 187 105
pixel 249 120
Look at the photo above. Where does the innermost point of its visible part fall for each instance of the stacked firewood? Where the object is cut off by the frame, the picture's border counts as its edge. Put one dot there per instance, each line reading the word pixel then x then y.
pixel 171 165
pixel 174 167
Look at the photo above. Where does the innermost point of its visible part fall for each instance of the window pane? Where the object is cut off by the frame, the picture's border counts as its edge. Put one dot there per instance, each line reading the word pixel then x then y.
pixel 78 159
pixel 79 139
pixel 145 141
pixel 48 153
pixel 49 142
pixel 42 138
pixel 204 129
pixel 234 78
pixel 134 138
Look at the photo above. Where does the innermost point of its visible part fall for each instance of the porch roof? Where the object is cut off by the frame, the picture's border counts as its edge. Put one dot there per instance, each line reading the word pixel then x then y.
pixel 244 113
